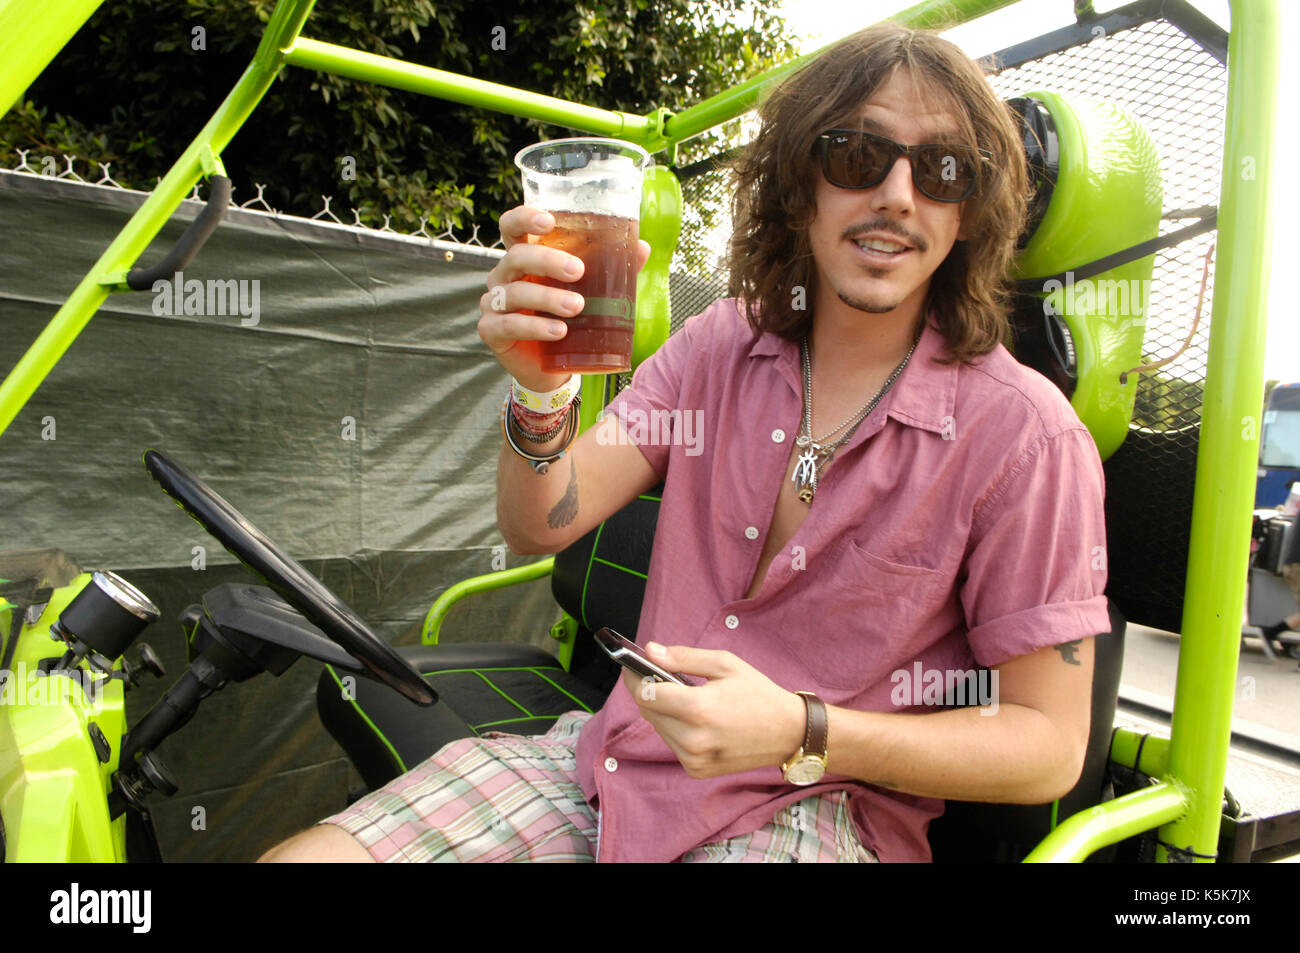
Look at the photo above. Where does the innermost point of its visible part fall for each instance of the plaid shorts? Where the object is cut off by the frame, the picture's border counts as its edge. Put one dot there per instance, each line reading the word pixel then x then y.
pixel 509 798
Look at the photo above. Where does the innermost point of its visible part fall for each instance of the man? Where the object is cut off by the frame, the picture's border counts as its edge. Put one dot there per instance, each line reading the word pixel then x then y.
pixel 952 516
pixel 1291 572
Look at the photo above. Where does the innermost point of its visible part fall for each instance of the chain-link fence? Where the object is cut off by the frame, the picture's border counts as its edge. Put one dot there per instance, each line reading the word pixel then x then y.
pixel 1178 90
pixel 64 167
pixel 1176 86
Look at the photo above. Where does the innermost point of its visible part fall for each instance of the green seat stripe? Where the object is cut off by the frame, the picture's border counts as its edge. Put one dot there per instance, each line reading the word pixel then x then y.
pixel 488 681
pixel 528 716
pixel 508 721
pixel 366 718
pixel 498 668
pixel 587 578
pixel 573 698
pixel 597 559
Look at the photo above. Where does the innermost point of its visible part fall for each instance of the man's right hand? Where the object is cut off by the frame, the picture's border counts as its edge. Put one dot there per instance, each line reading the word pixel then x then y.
pixel 513 337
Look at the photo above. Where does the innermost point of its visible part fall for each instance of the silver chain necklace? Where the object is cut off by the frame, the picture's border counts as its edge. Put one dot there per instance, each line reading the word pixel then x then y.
pixel 816 454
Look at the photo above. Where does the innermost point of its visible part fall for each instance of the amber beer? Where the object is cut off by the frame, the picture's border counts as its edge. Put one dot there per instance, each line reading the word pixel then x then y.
pixel 599 340
pixel 592 187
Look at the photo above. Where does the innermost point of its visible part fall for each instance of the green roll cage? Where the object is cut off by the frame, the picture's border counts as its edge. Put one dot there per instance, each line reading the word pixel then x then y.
pixel 1188 768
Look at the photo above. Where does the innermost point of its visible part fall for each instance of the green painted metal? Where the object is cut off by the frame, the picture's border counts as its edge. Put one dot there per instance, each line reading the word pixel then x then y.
pixel 661 224
pixel 210 162
pixel 31 34
pixel 1191 764
pixel 727 105
pixel 282 44
pixel 594 391
pixel 944 14
pixel 741 98
pixel 565 631
pixel 1109 823
pixel 1108 197
pixel 53 788
pixel 386 71
pixel 1225 469
pixel 108 272
pixel 486 583
pixel 1125 748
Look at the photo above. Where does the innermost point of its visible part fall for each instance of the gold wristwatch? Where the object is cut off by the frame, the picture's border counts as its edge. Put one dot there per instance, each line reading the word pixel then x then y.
pixel 808 764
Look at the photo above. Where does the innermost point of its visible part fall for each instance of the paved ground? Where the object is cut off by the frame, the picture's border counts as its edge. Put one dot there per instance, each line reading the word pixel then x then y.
pixel 1268 690
pixel 1264 762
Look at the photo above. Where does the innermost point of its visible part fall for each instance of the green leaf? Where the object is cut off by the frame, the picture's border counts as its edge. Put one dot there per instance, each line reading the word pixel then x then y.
pixel 128 89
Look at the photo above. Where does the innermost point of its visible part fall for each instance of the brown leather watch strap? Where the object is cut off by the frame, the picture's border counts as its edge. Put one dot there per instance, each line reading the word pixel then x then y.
pixel 815 735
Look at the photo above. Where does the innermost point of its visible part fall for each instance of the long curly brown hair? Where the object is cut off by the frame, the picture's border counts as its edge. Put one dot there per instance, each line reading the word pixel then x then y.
pixel 776 179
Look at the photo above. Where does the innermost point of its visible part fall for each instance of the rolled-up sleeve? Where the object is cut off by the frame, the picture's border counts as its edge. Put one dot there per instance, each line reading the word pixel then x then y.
pixel 1036 572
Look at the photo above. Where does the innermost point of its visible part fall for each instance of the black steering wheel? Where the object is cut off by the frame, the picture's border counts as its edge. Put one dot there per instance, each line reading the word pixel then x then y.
pixel 287 578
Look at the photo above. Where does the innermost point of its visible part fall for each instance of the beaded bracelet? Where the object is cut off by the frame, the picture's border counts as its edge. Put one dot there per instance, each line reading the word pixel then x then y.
pixel 536 432
pixel 539 464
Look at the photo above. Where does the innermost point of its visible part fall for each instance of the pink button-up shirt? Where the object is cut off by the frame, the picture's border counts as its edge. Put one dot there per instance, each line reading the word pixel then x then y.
pixel 962 525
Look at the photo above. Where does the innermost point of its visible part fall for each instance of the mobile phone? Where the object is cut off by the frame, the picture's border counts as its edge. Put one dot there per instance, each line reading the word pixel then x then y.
pixel 631 656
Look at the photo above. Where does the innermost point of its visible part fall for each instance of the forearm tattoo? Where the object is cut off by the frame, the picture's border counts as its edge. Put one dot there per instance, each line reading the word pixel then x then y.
pixel 1067 650
pixel 566 511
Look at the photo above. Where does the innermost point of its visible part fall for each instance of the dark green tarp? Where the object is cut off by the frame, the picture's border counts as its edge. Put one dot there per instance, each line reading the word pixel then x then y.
pixel 355 423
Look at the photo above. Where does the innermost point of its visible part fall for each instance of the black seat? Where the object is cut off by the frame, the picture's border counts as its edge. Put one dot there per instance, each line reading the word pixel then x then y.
pixel 600 581
pixel 972 830
pixel 500 686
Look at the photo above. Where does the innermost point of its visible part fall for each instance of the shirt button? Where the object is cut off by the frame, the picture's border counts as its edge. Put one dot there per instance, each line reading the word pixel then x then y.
pixel 731 621
pixel 778 436
pixel 611 765
pixel 751 532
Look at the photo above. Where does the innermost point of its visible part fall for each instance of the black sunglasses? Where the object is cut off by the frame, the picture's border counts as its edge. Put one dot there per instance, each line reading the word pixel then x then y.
pixel 856 159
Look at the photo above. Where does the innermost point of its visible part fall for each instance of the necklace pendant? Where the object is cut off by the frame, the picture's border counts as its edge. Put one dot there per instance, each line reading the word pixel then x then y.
pixel 802 441
pixel 805 476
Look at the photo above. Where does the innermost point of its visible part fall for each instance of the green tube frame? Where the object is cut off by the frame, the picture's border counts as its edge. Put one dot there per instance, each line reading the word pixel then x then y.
pixel 1218 555
pixel 488 582
pixel 23 59
pixel 1185 803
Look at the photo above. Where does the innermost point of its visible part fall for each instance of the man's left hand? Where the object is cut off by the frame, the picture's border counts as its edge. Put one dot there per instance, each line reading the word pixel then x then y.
pixel 738 720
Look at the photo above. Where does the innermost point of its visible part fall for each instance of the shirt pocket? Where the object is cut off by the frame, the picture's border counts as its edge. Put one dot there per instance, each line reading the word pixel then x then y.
pixel 872 616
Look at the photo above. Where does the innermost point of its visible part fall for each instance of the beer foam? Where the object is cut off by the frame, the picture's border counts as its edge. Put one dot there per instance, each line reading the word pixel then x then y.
pixel 610 185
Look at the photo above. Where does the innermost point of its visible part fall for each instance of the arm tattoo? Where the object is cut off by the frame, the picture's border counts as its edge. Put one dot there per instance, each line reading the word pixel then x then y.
pixel 566 511
pixel 1067 650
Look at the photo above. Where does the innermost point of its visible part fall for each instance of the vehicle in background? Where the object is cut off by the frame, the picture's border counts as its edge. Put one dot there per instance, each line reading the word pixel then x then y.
pixel 1279 446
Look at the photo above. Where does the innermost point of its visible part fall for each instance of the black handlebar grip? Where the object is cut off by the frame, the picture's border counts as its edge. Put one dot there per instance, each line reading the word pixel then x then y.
pixel 142 279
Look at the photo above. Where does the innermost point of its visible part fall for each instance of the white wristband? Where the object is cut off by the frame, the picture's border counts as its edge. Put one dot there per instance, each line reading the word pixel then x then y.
pixel 550 401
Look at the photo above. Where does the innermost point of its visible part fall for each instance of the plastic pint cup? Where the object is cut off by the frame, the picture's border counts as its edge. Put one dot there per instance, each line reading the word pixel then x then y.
pixel 593 189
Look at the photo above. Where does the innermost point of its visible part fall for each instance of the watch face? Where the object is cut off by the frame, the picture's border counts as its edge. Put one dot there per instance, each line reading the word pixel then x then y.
pixel 806 771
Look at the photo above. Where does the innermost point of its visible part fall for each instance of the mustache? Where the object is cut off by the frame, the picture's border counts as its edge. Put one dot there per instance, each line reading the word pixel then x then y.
pixel 885 225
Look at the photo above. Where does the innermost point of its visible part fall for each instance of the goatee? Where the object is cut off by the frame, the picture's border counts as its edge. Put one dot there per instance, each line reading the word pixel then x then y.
pixel 867 306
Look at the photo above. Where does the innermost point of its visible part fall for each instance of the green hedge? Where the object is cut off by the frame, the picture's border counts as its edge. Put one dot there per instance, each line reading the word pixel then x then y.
pixel 142 76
